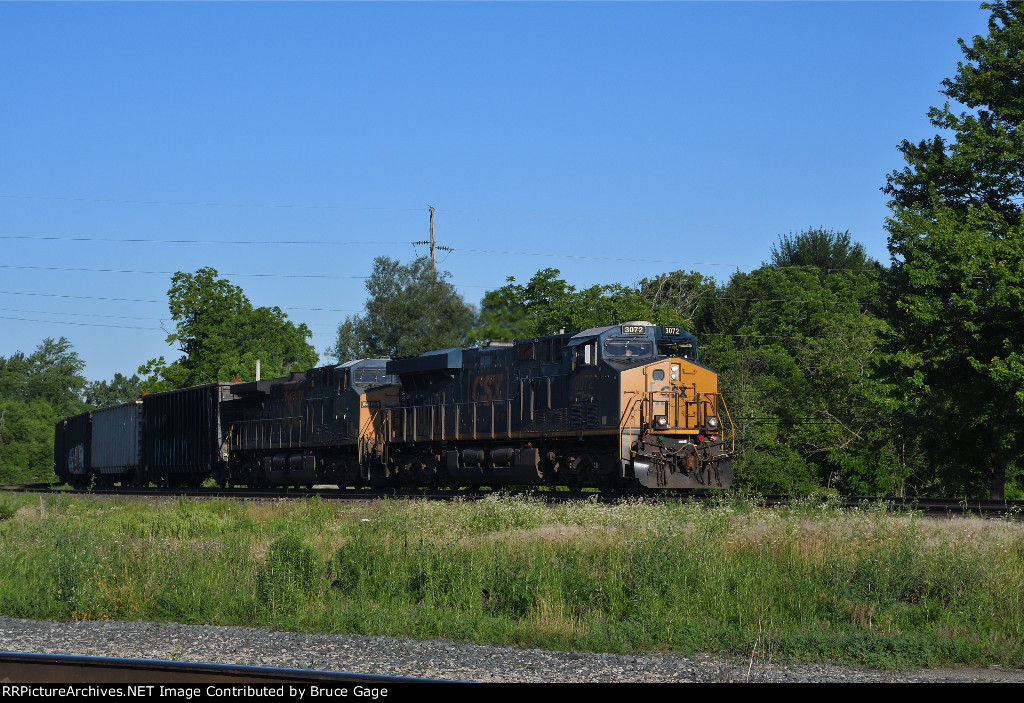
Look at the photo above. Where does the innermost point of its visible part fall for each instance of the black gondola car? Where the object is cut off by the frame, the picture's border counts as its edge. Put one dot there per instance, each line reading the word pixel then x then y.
pixel 183 437
pixel 72 450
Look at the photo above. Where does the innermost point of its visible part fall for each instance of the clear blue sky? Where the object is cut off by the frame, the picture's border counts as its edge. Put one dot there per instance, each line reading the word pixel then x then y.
pixel 612 141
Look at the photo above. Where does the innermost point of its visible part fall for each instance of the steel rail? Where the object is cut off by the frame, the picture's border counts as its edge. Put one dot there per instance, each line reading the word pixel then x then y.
pixel 19 667
pixel 928 506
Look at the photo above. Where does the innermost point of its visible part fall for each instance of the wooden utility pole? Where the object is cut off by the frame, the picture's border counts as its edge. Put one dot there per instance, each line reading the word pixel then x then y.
pixel 432 243
pixel 433 259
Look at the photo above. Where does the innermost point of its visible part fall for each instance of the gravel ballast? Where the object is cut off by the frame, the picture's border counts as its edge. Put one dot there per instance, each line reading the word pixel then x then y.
pixel 437 659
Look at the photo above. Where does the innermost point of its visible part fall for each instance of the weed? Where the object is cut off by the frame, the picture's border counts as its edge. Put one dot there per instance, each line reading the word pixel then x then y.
pixel 808 580
pixel 292 575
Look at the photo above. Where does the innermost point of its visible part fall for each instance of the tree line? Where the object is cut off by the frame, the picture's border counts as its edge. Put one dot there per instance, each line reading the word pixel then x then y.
pixel 840 372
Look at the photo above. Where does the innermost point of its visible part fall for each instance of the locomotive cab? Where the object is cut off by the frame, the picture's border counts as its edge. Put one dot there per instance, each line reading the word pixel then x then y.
pixel 668 412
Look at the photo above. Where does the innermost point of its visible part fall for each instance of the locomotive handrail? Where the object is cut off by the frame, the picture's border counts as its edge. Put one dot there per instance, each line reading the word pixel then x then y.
pixel 638 397
pixel 732 428
pixel 409 412
pixel 645 399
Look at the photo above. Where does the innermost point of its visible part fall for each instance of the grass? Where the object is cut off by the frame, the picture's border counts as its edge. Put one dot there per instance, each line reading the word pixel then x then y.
pixel 807 581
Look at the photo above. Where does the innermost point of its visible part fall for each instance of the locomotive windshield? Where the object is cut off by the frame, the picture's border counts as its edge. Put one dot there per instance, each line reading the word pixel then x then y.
pixel 367 377
pixel 628 347
pixel 679 348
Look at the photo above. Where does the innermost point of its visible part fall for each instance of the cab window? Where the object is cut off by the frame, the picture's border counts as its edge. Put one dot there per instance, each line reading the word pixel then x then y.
pixel 628 347
pixel 683 350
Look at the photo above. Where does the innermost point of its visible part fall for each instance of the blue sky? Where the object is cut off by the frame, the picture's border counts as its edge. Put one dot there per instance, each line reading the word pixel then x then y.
pixel 612 141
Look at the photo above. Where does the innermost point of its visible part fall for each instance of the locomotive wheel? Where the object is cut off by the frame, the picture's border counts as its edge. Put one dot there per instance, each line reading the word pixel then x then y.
pixel 605 472
pixel 549 469
pixel 428 473
pixel 628 484
pixel 574 481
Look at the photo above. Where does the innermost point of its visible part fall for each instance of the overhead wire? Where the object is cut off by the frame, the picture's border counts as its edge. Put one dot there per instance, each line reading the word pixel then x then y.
pixel 145 300
pixel 310 242
pixel 332 242
pixel 292 206
pixel 171 273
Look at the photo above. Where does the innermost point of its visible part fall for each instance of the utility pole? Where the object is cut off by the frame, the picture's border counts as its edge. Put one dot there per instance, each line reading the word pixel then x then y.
pixel 433 245
pixel 433 259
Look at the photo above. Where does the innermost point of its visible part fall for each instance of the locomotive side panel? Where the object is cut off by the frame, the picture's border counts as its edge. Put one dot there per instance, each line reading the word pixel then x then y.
pixel 312 427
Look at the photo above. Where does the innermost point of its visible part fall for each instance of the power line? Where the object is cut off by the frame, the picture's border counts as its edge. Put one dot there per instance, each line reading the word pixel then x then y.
pixel 76 314
pixel 171 273
pixel 79 324
pixel 456 250
pixel 329 242
pixel 81 297
pixel 144 300
pixel 291 206
pixel 147 240
pixel 161 301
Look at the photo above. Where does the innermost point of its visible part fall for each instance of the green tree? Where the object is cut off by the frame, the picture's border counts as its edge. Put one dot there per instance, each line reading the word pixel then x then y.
pixel 682 294
pixel 981 166
pixel 547 303
pixel 956 288
pixel 822 249
pixel 222 336
pixel 411 308
pixel 36 390
pixel 794 344
pixel 52 373
pixel 119 389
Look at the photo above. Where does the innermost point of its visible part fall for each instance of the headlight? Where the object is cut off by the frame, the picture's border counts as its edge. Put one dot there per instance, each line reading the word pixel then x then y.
pixel 712 423
pixel 674 368
pixel 661 421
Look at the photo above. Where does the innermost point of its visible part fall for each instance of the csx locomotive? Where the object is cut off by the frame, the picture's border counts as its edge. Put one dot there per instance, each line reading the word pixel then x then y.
pixel 621 406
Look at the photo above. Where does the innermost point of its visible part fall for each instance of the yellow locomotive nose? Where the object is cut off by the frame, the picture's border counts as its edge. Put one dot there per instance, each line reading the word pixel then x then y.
pixel 671 431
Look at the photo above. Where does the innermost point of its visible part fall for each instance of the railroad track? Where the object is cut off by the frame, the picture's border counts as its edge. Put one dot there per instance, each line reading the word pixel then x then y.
pixel 931 507
pixel 21 668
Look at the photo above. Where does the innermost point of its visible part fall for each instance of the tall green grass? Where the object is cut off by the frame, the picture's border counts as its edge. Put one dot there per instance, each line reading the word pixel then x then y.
pixel 805 581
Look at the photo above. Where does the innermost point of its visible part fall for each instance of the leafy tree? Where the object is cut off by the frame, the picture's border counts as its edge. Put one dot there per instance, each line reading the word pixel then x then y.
pixel 821 249
pixel 956 288
pixel 411 309
pixel 222 336
pixel 120 389
pixel 684 294
pixel 52 373
pixel 35 391
pixel 547 303
pixel 794 344
pixel 981 166
pixel 957 292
